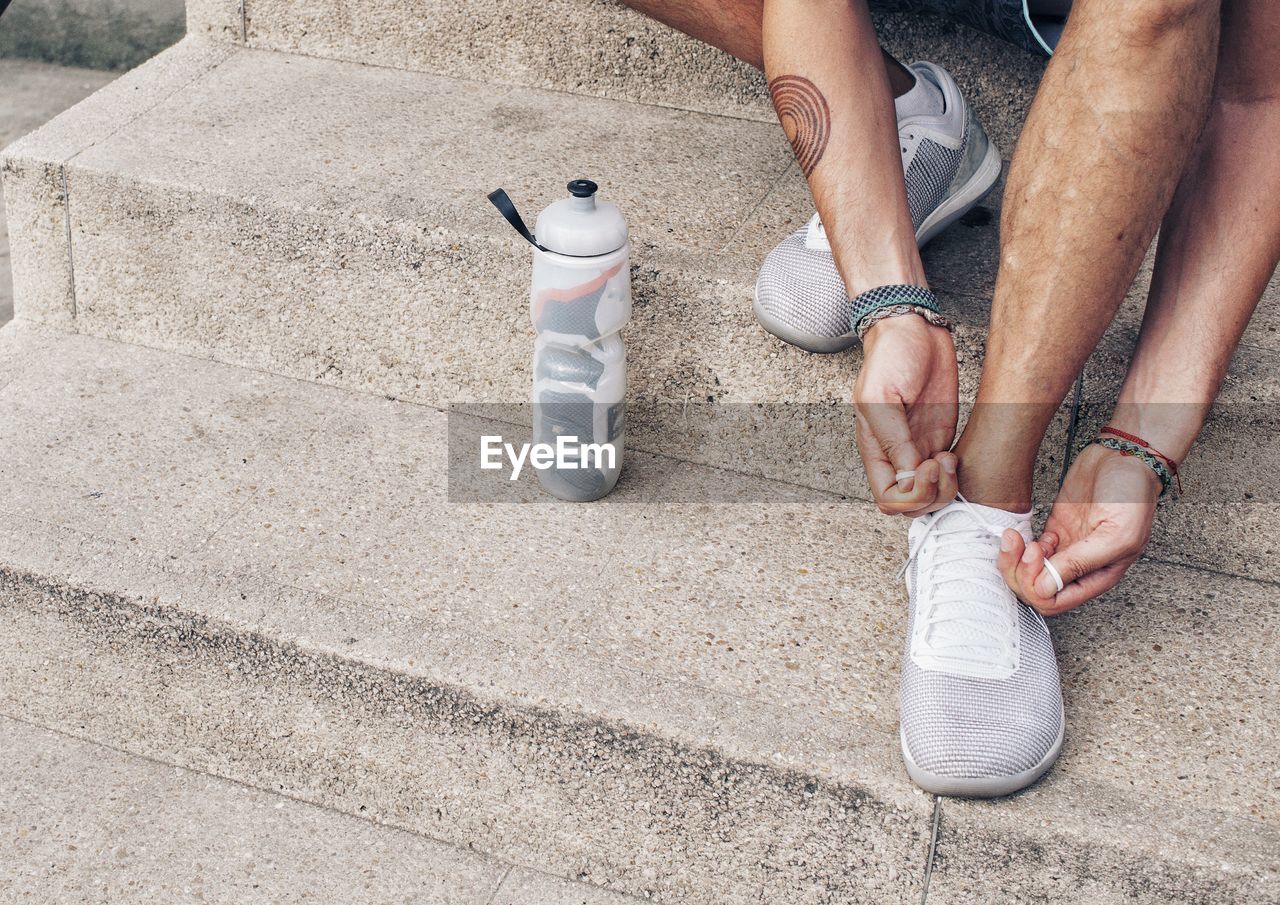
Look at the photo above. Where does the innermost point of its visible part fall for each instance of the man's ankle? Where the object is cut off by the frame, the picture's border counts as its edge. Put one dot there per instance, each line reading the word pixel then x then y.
pixel 1001 485
pixel 1008 497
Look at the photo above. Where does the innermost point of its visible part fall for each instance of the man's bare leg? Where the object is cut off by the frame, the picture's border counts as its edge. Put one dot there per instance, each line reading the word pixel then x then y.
pixel 1219 245
pixel 1113 125
pixel 825 67
pixel 830 86
pixel 736 27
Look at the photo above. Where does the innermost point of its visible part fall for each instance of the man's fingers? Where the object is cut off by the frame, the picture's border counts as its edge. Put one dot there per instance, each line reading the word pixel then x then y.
pixel 1029 573
pixel 1011 547
pixel 948 483
pixel 1085 589
pixel 887 423
pixel 881 475
pixel 918 498
pixel 883 481
pixel 947 486
pixel 1074 561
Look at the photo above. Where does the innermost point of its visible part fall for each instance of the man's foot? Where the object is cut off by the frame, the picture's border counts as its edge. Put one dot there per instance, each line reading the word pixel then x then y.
pixel 950 165
pixel 981 699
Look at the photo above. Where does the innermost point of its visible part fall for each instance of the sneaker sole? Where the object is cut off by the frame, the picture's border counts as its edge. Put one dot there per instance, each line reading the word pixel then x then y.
pixel 948 212
pixel 823 345
pixel 987 787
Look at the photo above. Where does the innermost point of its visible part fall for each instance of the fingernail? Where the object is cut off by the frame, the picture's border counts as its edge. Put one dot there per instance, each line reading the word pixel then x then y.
pixel 949 465
pixel 1006 543
pixel 906 484
pixel 1045 585
pixel 1029 555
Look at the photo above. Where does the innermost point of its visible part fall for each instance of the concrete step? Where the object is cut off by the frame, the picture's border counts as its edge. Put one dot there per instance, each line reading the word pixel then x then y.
pixel 326 221
pixel 695 701
pixel 35 93
pixel 85 823
pixel 596 47
pixel 102 36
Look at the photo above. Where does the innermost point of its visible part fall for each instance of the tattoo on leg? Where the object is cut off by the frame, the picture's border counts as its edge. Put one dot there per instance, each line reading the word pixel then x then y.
pixel 805 118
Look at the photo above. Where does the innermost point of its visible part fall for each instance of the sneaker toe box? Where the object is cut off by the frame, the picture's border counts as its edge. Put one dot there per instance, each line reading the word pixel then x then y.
pixel 978 736
pixel 801 298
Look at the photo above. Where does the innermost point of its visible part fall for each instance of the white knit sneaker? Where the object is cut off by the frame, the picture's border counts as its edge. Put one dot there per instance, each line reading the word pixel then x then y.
pixel 950 165
pixel 981 698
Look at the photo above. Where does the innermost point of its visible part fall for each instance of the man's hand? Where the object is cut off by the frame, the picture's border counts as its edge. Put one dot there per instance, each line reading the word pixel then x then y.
pixel 1100 523
pixel 906 396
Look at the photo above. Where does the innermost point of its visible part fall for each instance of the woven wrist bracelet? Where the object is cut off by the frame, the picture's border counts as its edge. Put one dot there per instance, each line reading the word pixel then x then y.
pixel 903 297
pixel 1144 455
pixel 882 314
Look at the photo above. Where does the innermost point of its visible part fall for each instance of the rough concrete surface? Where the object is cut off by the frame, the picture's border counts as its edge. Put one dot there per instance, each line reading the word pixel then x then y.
pixel 684 793
pixel 527 888
pixel 389 272
pixel 87 824
pixel 691 700
pixel 34 176
pixel 34 93
pixel 600 48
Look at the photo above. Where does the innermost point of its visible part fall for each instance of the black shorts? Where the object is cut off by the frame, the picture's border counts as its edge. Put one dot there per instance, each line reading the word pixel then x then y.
pixel 1007 19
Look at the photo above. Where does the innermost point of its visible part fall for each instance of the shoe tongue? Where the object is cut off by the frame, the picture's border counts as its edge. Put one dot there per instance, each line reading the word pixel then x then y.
pixel 815 235
pixel 1002 518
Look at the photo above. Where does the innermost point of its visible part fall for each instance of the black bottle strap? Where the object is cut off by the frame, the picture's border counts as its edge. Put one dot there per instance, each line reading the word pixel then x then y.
pixel 508 210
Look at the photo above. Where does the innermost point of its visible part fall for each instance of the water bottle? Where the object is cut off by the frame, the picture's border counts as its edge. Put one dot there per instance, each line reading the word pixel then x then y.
pixel 580 300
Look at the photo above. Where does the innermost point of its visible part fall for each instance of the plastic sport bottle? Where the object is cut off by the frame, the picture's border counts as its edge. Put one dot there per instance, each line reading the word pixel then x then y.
pixel 579 301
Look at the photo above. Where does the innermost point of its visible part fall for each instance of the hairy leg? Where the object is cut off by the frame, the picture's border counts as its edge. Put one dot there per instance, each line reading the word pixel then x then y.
pixel 1219 245
pixel 1110 133
pixel 833 98
pixel 735 26
pixel 833 89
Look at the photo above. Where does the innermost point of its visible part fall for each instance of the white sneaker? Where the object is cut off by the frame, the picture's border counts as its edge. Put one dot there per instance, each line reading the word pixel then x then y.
pixel 950 165
pixel 981 698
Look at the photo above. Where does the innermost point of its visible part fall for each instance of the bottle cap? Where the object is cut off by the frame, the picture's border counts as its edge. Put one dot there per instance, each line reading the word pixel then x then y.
pixel 581 225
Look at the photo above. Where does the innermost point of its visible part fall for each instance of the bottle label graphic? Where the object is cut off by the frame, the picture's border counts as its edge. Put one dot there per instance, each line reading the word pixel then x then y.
pixel 580 299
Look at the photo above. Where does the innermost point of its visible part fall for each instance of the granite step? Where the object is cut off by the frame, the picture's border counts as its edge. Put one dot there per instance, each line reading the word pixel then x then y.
pixel 86 823
pixel 597 48
pixel 686 691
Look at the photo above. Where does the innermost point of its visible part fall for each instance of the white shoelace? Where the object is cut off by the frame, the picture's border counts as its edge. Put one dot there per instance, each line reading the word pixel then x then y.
pixel 967 618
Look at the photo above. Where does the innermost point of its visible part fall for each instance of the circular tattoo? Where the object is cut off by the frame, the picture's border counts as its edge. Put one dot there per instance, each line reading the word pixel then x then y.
pixel 803 112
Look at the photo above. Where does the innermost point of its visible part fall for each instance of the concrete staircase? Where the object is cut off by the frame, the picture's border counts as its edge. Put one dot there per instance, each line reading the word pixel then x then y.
pixel 250 276
pixel 86 823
